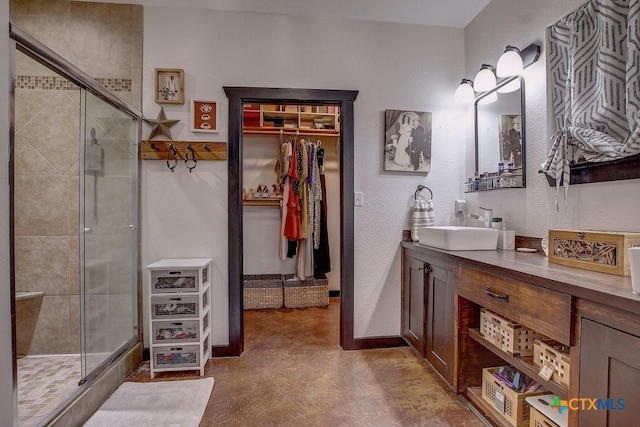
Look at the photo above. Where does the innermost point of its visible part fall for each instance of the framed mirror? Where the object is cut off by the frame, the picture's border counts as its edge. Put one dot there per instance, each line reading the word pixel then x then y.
pixel 500 136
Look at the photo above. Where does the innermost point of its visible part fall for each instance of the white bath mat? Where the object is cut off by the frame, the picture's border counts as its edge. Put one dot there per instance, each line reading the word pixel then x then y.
pixel 162 403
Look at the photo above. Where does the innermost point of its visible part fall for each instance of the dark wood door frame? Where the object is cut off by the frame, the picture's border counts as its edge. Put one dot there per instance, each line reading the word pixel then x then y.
pixel 345 99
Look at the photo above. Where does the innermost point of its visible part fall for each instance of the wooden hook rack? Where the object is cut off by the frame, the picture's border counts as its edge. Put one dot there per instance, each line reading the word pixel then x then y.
pixel 205 150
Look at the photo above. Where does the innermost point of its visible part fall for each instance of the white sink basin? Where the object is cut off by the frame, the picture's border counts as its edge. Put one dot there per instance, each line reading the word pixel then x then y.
pixel 456 238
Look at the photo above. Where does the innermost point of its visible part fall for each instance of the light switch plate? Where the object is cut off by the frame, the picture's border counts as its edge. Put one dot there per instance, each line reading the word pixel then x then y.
pixel 358 199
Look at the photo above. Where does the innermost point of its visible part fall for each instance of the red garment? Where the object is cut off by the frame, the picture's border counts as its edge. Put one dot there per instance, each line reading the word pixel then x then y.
pixel 292 223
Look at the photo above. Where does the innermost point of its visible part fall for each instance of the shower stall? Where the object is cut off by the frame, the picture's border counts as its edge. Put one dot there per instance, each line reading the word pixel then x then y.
pixel 74 235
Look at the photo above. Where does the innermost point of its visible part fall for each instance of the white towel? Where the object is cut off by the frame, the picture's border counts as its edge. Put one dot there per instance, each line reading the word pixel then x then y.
pixel 423 216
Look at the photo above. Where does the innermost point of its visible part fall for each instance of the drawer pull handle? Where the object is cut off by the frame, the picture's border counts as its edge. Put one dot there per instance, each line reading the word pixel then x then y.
pixel 175 299
pixel 175 272
pixel 504 297
pixel 177 324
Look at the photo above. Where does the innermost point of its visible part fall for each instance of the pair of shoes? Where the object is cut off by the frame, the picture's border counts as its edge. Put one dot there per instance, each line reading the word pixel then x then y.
pixel 262 191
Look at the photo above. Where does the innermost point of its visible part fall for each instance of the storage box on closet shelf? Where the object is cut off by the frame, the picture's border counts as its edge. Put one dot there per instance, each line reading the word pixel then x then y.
pixel 308 292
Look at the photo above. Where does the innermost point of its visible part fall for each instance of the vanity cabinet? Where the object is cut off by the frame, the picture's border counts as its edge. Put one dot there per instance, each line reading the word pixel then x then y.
pixel 413 302
pixel 611 360
pixel 427 309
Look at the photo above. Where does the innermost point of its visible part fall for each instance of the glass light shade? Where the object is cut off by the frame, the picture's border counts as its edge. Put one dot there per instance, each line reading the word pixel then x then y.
pixel 510 87
pixel 489 99
pixel 464 93
pixel 485 79
pixel 510 63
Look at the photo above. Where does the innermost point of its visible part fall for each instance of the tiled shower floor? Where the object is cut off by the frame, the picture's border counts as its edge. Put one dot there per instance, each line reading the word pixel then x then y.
pixel 43 383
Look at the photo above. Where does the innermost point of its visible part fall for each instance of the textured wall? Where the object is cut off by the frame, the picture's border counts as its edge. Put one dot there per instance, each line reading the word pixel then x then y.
pixel 393 66
pixel 601 206
pixel 107 44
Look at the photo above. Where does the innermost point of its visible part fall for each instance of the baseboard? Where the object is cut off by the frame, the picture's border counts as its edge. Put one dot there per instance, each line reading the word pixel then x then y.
pixel 378 342
pixel 335 293
pixel 222 351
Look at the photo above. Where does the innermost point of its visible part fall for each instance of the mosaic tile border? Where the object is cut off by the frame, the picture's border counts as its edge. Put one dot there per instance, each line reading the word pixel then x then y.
pixel 60 83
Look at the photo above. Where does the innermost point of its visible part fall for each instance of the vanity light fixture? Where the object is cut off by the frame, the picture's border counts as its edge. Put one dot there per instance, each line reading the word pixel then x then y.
pixel 464 93
pixel 510 63
pixel 514 60
pixel 485 79
pixel 512 86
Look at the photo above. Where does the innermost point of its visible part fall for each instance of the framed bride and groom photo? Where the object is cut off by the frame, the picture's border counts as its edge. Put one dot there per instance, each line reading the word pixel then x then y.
pixel 407 141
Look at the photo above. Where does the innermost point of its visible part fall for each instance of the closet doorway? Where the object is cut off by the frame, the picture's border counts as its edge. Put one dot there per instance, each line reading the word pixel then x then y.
pixel 343 100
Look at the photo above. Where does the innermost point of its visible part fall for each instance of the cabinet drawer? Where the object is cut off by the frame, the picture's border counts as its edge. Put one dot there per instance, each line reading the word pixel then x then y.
pixel 175 306
pixel 540 309
pixel 174 357
pixel 175 281
pixel 176 331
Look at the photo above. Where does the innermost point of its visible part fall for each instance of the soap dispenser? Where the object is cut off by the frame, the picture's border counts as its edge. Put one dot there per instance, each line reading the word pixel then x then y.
pixel 507 238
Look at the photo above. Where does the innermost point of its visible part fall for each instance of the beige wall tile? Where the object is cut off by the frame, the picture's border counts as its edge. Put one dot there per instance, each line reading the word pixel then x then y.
pixel 27 312
pixel 41 205
pixel 54 132
pixel 28 161
pixel 29 102
pixel 52 329
pixel 51 30
pixel 74 323
pixel 74 265
pixel 42 264
pixel 73 205
pixel 54 8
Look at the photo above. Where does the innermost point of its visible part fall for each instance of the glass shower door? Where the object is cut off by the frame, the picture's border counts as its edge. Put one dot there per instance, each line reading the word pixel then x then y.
pixel 108 243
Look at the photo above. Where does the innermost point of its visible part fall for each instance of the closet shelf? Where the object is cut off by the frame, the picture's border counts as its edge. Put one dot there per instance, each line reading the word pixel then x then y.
pixel 260 130
pixel 262 201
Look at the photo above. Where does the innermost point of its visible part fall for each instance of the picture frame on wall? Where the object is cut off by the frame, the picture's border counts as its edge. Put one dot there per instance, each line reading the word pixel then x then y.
pixel 169 86
pixel 407 141
pixel 204 116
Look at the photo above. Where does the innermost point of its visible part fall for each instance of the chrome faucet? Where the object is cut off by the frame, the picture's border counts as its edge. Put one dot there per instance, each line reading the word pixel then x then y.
pixel 488 216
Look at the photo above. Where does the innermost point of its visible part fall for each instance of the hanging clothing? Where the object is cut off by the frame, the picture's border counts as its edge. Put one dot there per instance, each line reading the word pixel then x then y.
pixel 321 255
pixel 292 222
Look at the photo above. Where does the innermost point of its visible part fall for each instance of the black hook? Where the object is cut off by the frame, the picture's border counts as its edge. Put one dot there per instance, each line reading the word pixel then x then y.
pixel 172 151
pixel 420 188
pixel 154 147
pixel 193 158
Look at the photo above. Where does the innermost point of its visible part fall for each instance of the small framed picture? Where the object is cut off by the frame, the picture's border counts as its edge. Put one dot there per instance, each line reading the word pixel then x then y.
pixel 169 86
pixel 204 116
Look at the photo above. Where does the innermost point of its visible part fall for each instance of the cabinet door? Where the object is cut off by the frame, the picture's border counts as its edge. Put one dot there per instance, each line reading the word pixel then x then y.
pixel 439 321
pixel 413 303
pixel 609 368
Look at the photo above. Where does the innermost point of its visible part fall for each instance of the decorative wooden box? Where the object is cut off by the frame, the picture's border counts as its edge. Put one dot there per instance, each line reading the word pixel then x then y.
pixel 593 250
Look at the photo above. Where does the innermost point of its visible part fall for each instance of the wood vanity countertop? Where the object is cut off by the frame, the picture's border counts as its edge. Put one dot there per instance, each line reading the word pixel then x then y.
pixel 535 268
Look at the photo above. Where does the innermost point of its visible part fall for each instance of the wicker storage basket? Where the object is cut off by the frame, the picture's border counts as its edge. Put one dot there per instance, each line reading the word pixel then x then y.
pixel 509 336
pixel 305 293
pixel 516 409
pixel 552 352
pixel 262 291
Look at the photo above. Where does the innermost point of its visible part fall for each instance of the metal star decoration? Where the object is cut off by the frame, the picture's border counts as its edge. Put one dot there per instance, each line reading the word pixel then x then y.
pixel 161 125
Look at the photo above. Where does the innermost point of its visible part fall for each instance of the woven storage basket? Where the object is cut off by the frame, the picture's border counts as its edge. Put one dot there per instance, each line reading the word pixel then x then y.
pixel 305 293
pixel 262 291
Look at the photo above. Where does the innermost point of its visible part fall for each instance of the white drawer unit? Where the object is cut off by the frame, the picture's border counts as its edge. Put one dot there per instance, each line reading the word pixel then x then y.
pixel 179 304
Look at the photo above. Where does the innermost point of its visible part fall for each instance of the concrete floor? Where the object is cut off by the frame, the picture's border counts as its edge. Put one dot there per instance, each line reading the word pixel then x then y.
pixel 293 373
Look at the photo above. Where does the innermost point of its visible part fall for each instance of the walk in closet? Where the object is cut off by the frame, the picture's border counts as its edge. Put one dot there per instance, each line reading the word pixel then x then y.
pixel 305 252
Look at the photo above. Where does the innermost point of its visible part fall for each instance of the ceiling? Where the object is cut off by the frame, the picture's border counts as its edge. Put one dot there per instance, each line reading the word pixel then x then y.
pixel 444 13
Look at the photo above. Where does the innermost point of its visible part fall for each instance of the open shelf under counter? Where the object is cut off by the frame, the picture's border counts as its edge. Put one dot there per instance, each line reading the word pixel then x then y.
pixel 523 364
pixel 474 394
